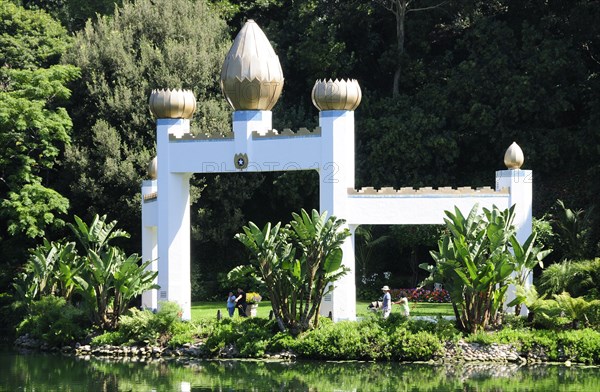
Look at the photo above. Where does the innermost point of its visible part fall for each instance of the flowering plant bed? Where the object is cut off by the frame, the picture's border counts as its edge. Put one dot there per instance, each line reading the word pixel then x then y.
pixel 253 298
pixel 422 295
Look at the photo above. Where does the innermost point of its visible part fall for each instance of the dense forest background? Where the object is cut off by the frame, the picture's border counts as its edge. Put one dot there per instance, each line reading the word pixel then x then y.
pixel 447 87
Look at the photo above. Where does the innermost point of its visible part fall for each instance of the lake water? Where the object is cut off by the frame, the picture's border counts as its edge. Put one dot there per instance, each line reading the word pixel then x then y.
pixel 54 372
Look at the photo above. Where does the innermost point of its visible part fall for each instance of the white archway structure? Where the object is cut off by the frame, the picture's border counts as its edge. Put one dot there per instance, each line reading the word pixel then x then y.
pixel 252 81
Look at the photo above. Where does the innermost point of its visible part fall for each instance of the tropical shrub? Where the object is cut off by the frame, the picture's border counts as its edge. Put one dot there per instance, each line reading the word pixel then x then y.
pixel 183 332
pixel 49 270
pixel 574 230
pixel 111 338
pixel 578 278
pixel 420 346
pixel 110 278
pixel 445 330
pixel 254 340
pixel 102 276
pixel 136 327
pixel 578 346
pixel 296 263
pixel 250 336
pixel 556 278
pixel 164 327
pixel 12 312
pixel 335 341
pixel 475 264
pixel 282 341
pixel 561 311
pixel 54 320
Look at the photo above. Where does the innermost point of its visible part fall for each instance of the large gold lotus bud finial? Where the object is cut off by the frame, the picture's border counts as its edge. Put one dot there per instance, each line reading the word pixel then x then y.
pixel 336 94
pixel 514 158
pixel 153 169
pixel 251 78
pixel 172 103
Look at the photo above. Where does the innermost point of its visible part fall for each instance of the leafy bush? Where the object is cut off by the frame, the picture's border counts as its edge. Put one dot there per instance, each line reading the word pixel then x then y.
pixel 370 339
pixel 251 336
pixel 331 341
pixel 169 314
pixel 113 338
pixel 54 321
pixel 12 312
pixel 513 321
pixel 281 342
pixel 163 327
pixel 226 332
pixel 257 332
pixel 481 337
pixel 183 332
pixel 593 313
pixel 580 346
pixel 421 346
pixel 565 311
pixel 135 327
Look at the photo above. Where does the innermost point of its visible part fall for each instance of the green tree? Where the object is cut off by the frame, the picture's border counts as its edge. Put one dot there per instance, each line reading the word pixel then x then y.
pixel 143 45
pixel 414 237
pixel 34 125
pixel 400 9
pixel 73 13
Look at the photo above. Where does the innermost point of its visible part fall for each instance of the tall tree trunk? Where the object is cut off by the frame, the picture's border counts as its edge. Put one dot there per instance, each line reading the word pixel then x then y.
pixel 400 17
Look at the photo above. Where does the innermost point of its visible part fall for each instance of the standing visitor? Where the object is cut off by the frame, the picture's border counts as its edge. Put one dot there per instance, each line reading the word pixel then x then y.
pixel 231 303
pixel 240 302
pixel 404 308
pixel 387 302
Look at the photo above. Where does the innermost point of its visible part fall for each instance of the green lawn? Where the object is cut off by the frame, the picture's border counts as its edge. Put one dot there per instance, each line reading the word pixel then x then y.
pixel 208 310
pixel 416 309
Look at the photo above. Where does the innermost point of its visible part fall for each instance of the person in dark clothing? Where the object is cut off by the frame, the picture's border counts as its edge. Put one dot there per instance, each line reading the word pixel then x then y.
pixel 240 303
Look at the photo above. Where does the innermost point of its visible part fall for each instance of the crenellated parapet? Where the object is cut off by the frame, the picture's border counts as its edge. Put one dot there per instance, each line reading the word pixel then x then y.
pixel 448 190
pixel 302 132
pixel 150 197
pixel 202 136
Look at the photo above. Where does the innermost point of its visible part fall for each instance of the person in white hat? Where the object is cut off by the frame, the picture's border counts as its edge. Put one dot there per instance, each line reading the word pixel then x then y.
pixel 387 302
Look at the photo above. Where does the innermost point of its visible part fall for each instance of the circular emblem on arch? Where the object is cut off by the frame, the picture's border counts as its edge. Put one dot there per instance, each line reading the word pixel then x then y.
pixel 240 161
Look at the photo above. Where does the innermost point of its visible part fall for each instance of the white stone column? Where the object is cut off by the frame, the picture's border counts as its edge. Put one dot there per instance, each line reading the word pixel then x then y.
pixel 520 185
pixel 149 241
pixel 173 222
pixel 336 176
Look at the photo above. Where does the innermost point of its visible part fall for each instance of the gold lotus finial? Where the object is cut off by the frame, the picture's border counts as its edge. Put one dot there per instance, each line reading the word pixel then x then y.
pixel 514 158
pixel 251 78
pixel 153 169
pixel 172 103
pixel 336 94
